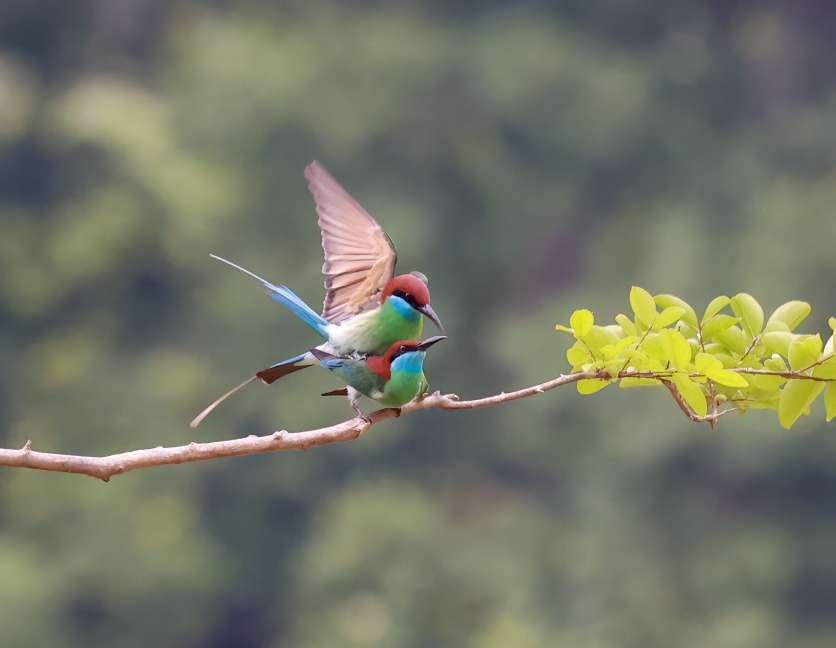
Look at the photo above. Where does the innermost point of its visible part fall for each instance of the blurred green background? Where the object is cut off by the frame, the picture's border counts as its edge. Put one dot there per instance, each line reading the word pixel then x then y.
pixel 531 158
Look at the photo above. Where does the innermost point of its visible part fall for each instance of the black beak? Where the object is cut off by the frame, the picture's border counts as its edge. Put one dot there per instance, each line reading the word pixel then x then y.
pixel 429 312
pixel 426 344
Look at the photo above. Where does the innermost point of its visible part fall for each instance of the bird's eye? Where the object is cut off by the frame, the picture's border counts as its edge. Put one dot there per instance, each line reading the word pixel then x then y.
pixel 402 349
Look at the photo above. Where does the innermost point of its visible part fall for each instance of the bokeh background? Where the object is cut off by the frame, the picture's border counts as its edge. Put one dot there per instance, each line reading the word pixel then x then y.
pixel 531 158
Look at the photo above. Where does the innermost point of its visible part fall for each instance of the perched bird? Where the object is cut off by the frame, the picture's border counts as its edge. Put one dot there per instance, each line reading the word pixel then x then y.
pixel 392 379
pixel 366 308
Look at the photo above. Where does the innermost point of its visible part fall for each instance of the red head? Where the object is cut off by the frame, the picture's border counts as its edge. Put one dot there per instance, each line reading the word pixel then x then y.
pixel 412 288
pixel 382 365
pixel 408 287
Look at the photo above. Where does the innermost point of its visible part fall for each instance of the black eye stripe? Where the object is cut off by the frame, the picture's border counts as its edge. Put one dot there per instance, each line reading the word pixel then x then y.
pixel 410 299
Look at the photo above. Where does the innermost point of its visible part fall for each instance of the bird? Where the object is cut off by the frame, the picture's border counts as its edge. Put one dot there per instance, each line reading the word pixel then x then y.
pixel 392 379
pixel 366 307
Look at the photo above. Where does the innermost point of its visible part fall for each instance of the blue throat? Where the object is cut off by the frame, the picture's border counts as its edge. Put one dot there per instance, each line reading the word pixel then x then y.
pixel 412 362
pixel 404 308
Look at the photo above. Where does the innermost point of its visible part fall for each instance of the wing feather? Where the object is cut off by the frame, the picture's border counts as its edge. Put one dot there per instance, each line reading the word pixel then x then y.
pixel 359 256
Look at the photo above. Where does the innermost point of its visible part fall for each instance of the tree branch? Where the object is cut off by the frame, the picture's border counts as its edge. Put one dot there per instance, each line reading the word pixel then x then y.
pixel 711 418
pixel 106 467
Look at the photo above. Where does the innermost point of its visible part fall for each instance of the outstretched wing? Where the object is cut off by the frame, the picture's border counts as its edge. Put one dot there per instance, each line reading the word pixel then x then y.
pixel 359 256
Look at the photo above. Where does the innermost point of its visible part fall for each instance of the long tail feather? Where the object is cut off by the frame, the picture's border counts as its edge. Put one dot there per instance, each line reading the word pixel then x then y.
pixel 197 420
pixel 268 376
pixel 287 298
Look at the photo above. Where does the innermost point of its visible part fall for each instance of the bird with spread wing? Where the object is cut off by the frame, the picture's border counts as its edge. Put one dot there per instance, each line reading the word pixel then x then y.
pixel 367 308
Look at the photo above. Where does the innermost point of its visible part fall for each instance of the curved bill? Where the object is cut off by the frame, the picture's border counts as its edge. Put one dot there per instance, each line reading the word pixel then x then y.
pixel 426 344
pixel 427 310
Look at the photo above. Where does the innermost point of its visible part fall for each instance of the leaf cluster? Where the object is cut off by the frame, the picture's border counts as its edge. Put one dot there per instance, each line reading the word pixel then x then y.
pixel 731 357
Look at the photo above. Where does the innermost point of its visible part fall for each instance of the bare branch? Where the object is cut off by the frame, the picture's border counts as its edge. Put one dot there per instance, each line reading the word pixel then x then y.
pixel 711 418
pixel 106 467
pixel 789 375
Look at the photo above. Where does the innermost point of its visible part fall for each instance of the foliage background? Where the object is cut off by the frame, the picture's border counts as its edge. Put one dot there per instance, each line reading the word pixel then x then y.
pixel 532 158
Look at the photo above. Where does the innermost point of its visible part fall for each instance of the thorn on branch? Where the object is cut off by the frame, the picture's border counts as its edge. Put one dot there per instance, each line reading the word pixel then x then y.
pixel 27 447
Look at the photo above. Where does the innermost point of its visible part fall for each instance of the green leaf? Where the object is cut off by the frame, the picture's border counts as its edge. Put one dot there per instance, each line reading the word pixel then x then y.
pixel 727 360
pixel 666 301
pixel 613 367
pixel 775 363
pixel 830 402
pixel 776 325
pixel 629 383
pixel 591 386
pixel 713 368
pixel 796 399
pixel 767 402
pixel 804 351
pixel 790 315
pixel 687 330
pixel 727 378
pixel 601 336
pixel 705 362
pixel 692 393
pixel 654 348
pixel 778 341
pixel 750 313
pixel 676 348
pixel 627 325
pixel 766 383
pixel 715 306
pixel 733 338
pixel 716 324
pixel 581 322
pixel 667 317
pixel 831 322
pixel 643 305
pixel 626 343
pixel 578 354
pixel 827 369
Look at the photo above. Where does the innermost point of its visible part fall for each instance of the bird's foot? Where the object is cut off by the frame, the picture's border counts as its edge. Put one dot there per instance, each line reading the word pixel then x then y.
pixel 360 414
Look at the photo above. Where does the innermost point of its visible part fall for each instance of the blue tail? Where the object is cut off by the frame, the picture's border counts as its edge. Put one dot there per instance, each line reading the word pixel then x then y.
pixel 287 298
